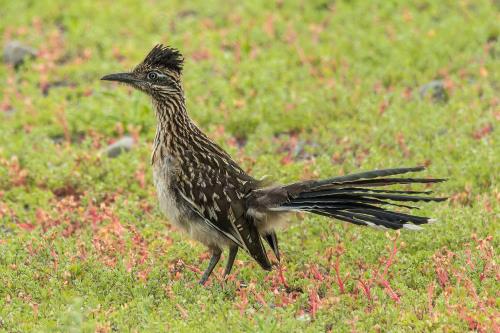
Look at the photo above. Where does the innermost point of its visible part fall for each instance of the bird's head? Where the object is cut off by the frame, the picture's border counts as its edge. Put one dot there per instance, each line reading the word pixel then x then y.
pixel 159 75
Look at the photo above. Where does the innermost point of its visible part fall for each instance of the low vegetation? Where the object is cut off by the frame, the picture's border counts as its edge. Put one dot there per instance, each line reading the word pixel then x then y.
pixel 294 90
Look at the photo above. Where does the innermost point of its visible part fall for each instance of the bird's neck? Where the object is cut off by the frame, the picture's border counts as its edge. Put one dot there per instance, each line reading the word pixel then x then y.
pixel 172 119
pixel 178 137
pixel 176 133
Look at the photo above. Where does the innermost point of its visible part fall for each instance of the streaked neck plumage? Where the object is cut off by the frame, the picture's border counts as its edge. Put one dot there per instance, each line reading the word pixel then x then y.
pixel 177 134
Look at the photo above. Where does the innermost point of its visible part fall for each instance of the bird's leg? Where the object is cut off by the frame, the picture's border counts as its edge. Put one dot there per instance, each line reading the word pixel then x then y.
pixel 211 265
pixel 233 251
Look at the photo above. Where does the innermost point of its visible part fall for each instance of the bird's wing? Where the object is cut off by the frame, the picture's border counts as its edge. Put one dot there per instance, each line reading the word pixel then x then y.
pixel 216 191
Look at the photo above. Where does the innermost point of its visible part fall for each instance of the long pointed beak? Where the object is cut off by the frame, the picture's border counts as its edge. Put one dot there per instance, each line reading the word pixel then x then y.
pixel 120 77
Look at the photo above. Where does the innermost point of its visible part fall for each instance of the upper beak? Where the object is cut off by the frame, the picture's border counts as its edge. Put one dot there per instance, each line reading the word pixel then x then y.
pixel 120 77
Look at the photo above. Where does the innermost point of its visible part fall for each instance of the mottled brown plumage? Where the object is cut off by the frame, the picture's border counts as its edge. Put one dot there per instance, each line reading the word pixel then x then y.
pixel 205 193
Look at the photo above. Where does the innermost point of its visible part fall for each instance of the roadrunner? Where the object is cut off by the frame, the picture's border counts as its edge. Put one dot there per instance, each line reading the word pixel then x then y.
pixel 203 192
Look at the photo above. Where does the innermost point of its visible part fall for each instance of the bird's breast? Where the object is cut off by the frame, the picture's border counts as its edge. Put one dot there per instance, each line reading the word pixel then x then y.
pixel 177 211
pixel 164 174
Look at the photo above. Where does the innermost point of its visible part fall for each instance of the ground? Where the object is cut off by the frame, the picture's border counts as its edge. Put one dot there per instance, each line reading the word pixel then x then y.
pixel 293 90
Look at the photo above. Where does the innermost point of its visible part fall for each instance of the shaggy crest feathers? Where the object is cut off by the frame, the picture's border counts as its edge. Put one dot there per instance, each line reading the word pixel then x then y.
pixel 165 56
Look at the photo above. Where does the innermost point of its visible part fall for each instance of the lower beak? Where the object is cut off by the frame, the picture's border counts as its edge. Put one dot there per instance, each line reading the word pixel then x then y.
pixel 120 77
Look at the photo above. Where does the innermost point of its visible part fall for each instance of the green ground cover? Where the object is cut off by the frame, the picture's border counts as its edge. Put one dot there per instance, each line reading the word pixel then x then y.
pixel 293 90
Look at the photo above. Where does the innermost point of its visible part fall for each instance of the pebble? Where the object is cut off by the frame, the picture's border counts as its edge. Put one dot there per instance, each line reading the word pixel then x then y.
pixel 124 144
pixel 14 53
pixel 304 317
pixel 434 90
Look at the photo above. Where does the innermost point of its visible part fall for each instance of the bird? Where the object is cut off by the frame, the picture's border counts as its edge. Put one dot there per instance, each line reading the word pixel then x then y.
pixel 203 192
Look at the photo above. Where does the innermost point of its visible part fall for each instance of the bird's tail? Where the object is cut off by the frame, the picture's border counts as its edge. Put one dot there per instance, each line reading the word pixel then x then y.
pixel 361 198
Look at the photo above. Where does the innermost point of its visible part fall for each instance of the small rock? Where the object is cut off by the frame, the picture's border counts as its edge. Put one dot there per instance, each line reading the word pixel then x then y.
pixel 434 90
pixel 9 111
pixel 14 53
pixel 304 317
pixel 250 311
pixel 124 144
pixel 187 13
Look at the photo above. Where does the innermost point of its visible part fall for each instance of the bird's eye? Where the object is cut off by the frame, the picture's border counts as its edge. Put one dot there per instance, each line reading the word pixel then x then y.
pixel 152 75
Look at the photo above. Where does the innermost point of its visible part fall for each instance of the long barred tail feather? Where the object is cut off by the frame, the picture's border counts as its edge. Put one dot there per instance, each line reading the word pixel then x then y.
pixel 352 199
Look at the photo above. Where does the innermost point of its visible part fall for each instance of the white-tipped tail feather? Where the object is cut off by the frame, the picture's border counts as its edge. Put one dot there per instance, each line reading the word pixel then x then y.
pixel 412 227
pixel 360 199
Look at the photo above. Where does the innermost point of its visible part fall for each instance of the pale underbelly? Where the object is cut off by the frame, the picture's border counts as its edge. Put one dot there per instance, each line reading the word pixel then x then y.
pixel 178 212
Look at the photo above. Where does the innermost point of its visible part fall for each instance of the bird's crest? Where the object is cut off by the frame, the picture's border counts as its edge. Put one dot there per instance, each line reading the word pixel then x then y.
pixel 166 57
